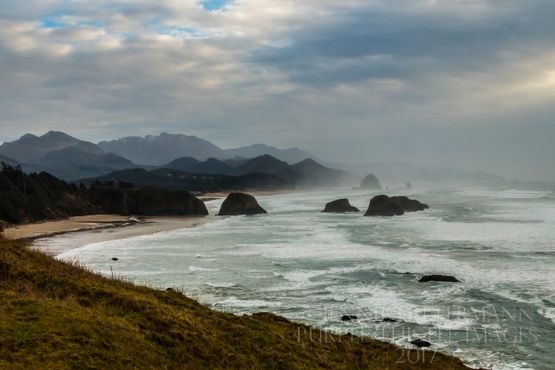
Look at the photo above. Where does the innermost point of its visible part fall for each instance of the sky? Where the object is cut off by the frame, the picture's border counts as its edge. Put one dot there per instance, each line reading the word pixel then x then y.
pixel 462 83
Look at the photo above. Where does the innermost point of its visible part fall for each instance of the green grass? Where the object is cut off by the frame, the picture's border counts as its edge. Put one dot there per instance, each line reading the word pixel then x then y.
pixel 55 315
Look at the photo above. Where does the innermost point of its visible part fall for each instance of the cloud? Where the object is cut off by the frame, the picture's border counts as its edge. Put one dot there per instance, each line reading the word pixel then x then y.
pixel 325 75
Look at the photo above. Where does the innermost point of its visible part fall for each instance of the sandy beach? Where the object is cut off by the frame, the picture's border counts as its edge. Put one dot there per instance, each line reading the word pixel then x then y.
pixel 54 237
pixel 46 228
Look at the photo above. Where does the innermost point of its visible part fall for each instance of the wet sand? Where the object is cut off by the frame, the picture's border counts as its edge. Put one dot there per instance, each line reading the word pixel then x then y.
pixel 41 229
pixel 55 237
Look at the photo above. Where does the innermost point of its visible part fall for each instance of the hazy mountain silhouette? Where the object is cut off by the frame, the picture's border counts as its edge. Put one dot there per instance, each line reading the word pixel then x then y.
pixel 211 166
pixel 311 173
pixel 257 173
pixel 7 160
pixel 62 155
pixel 291 155
pixel 164 148
pixel 30 148
pixel 76 155
pixel 266 164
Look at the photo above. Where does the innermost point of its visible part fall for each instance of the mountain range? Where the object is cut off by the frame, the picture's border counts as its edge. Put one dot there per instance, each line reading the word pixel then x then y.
pixel 124 160
pixel 264 172
pixel 72 159
pixel 62 155
pixel 161 149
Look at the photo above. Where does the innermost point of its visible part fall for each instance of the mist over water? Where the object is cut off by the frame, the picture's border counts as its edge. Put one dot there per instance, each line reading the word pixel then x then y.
pixel 313 268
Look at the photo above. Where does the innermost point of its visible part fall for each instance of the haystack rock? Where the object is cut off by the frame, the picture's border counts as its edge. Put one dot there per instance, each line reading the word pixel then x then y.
pixel 371 182
pixel 240 204
pixel 340 206
pixel 382 205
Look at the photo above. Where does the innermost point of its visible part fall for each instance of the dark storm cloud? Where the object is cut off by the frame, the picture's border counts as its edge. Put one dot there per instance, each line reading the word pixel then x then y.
pixel 362 44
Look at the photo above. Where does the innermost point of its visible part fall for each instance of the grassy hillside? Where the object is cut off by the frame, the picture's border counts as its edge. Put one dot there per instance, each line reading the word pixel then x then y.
pixel 54 315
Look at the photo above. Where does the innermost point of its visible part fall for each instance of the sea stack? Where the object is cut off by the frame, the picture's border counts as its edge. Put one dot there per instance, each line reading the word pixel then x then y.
pixel 370 182
pixel 340 206
pixel 240 204
pixel 382 205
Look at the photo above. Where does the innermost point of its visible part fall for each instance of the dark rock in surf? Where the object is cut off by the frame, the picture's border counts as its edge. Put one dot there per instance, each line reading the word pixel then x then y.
pixel 382 205
pixel 388 319
pixel 340 206
pixel 349 318
pixel 409 205
pixel 370 182
pixel 115 259
pixel 240 204
pixel 420 343
pixel 438 278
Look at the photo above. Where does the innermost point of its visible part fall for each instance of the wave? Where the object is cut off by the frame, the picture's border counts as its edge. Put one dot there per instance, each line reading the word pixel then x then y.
pixel 197 269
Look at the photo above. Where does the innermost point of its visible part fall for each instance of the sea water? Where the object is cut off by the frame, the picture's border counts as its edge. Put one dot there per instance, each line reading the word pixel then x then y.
pixel 314 268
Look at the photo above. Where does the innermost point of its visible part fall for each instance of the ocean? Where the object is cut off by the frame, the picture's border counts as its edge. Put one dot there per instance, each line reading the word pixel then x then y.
pixel 314 268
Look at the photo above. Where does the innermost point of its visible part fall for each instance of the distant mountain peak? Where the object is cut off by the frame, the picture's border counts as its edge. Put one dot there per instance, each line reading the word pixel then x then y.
pixel 28 137
pixel 308 162
pixel 53 133
pixel 30 148
pixel 291 155
pixel 162 148
pixel 265 164
pixel 267 157
pixel 166 147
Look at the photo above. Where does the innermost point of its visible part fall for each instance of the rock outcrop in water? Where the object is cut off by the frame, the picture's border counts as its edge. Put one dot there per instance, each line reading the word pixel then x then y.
pixel 340 206
pixel 382 205
pixel 371 182
pixel 409 205
pixel 420 343
pixel 240 204
pixel 438 278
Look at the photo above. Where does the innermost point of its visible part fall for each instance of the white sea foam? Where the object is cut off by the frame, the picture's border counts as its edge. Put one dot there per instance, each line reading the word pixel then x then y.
pixel 235 302
pixel 219 285
pixel 197 268
pixel 503 194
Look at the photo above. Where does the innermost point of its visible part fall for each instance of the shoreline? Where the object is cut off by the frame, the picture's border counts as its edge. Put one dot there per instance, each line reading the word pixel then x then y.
pixel 55 237
pixel 47 228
